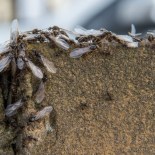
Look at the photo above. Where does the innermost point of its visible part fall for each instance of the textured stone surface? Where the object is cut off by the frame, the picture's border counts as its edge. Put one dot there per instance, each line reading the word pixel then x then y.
pixel 6 134
pixel 103 104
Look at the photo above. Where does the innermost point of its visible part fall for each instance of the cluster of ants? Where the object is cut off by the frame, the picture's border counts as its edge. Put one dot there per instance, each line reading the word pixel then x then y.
pixel 13 53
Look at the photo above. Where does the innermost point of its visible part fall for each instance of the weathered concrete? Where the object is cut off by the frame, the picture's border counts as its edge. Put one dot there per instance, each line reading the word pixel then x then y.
pixel 103 104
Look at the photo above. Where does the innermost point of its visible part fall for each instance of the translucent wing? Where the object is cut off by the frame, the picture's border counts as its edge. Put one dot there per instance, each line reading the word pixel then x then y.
pixel 30 37
pixel 125 38
pixel 133 29
pixel 48 64
pixel 4 62
pixel 20 63
pixel 35 70
pixel 62 36
pixel 42 113
pixel 82 31
pixel 132 45
pixel 11 109
pixel 14 31
pixel 151 32
pixel 4 48
pixel 72 35
pixel 60 42
pixel 78 52
pixel 40 94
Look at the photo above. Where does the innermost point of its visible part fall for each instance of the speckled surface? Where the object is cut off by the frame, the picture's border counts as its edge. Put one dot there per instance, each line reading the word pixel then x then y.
pixel 103 104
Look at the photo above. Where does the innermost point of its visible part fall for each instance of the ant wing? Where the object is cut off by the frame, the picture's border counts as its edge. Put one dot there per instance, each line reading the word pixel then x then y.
pixel 20 63
pixel 71 35
pixel 35 70
pixel 62 36
pixel 133 29
pixel 40 94
pixel 78 52
pixel 125 38
pixel 14 31
pixel 30 37
pixel 4 62
pixel 11 109
pixel 82 31
pixel 61 43
pixel 48 64
pixel 42 113
pixel 132 44
pixel 151 32
pixel 4 48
